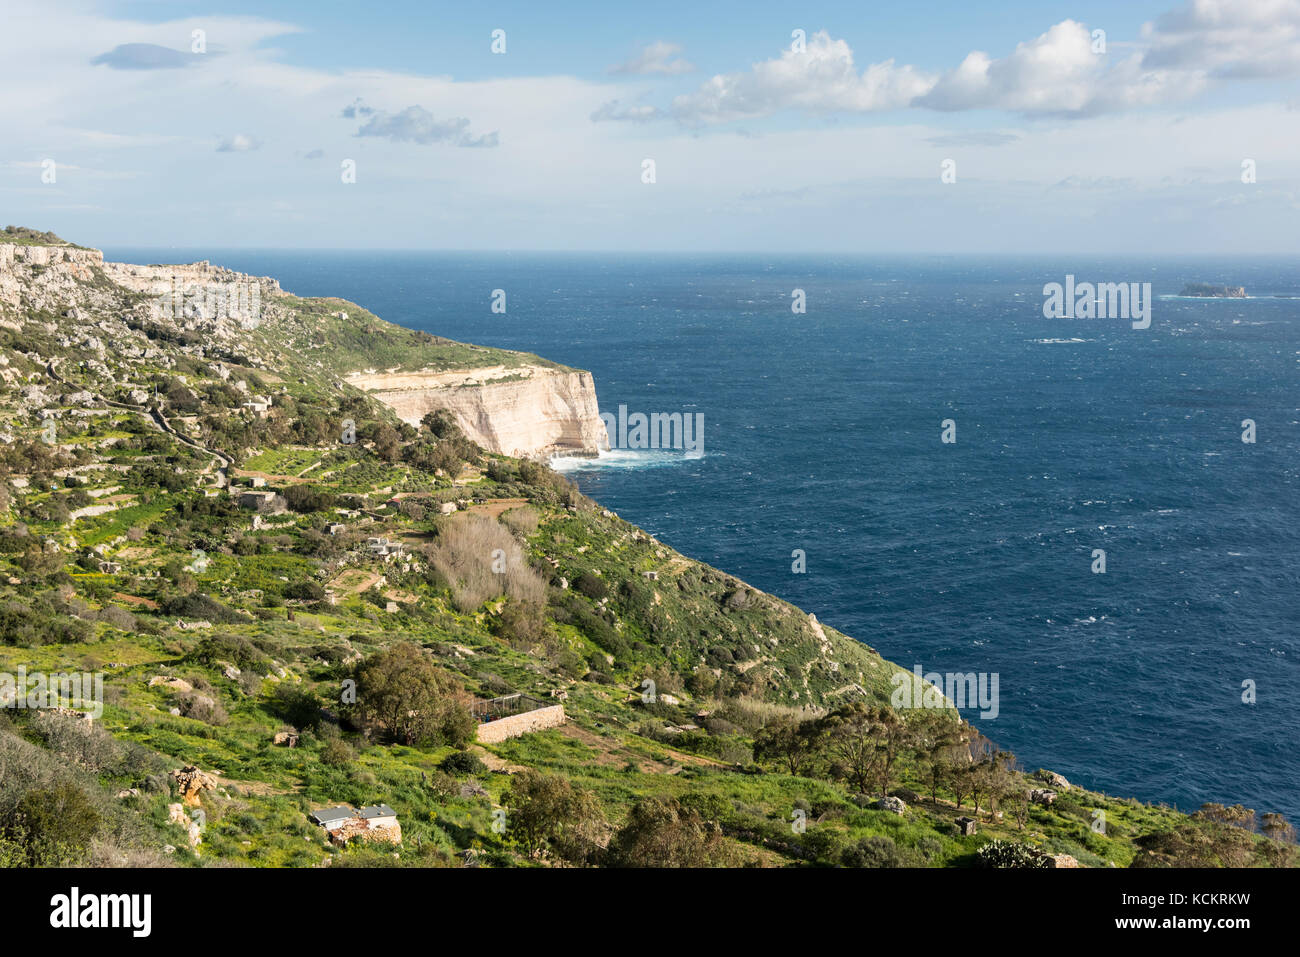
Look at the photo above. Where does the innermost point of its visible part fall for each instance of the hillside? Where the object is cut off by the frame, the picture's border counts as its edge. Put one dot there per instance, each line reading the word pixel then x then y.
pixel 297 600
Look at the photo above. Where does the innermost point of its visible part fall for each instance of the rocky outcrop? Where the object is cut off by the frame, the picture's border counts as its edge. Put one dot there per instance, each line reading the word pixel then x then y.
pixel 527 411
pixel 12 253
pixel 1205 290
pixel 45 278
pixel 191 783
pixel 193 830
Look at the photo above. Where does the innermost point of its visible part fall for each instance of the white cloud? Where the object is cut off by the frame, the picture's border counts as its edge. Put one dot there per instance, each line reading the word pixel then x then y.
pixel 659 58
pixel 1227 38
pixel 1056 73
pixel 820 79
pixel 239 143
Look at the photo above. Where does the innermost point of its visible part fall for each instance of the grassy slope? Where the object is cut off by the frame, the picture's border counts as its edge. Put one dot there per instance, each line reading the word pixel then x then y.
pixel 692 617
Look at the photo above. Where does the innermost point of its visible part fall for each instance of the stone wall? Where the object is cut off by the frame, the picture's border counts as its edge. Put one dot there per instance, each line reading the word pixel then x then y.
pixel 492 732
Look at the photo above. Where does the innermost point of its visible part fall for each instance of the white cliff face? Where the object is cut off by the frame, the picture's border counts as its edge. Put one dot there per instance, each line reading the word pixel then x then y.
pixel 525 411
pixel 44 277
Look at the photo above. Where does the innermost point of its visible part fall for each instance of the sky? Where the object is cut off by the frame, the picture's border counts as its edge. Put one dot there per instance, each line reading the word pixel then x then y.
pixel 1153 128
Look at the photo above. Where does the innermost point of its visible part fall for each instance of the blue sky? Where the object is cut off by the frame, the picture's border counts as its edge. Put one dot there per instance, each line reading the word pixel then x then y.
pixel 1053 138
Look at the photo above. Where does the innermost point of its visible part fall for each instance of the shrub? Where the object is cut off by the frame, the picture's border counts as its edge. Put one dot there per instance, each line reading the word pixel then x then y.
pixel 202 707
pixel 593 586
pixel 337 753
pixel 479 559
pixel 660 832
pixel 1001 854
pixel 462 763
pixel 878 851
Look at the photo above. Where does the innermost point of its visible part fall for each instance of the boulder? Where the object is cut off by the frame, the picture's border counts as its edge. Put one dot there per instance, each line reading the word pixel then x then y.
pixel 175 684
pixel 176 814
pixel 1042 796
pixel 892 804
pixel 1054 780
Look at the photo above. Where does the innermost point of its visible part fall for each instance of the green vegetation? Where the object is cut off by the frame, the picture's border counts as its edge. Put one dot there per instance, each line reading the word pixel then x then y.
pixel 333 643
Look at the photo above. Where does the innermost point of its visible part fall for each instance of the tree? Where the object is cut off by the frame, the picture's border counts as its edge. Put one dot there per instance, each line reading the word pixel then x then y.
pixel 661 832
pixel 546 811
pixel 787 741
pixel 441 423
pixel 864 743
pixel 939 739
pixel 401 691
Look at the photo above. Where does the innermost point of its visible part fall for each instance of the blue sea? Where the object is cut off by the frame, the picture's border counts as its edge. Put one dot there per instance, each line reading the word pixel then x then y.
pixel 822 433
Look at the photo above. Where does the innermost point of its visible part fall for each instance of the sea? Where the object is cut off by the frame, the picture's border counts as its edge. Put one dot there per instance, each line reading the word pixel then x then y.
pixel 824 477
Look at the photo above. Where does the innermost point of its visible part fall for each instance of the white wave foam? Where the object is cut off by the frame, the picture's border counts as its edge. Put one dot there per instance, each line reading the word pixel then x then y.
pixel 619 459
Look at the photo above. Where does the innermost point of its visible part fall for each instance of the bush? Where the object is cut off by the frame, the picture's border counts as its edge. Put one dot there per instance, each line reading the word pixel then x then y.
pixel 201 608
pixel 660 832
pixel 308 498
pixel 878 851
pixel 236 649
pixel 462 763
pixel 296 706
pixel 1000 854
pixel 593 586
pixel 337 753
pixel 478 559
pixel 203 708
pixel 305 591
pixel 51 825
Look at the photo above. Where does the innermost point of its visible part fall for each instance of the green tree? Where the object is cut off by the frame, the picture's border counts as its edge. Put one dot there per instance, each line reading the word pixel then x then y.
pixel 402 692
pixel 546 811
pixel 661 832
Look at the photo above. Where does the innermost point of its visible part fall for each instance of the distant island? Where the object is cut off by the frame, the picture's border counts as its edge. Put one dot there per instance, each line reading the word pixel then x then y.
pixel 1205 290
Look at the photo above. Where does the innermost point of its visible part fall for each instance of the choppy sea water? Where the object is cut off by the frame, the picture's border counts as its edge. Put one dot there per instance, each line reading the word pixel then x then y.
pixel 822 433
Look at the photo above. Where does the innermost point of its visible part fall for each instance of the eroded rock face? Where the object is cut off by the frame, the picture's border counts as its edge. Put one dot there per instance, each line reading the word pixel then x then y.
pixel 191 783
pixel 526 411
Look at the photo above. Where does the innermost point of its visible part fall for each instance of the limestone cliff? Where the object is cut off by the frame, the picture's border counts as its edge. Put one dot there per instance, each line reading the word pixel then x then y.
pixel 507 402
pixel 526 411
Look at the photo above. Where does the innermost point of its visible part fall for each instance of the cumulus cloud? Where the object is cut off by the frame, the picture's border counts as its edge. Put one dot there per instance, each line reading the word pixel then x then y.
pixel 1227 38
pixel 1061 72
pixel 145 56
pixel 239 143
pixel 615 111
pixel 661 58
pixel 1058 72
pixel 415 124
pixel 820 79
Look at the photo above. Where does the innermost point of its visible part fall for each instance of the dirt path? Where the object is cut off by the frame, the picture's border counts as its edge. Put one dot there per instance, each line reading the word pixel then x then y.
pixel 610 753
